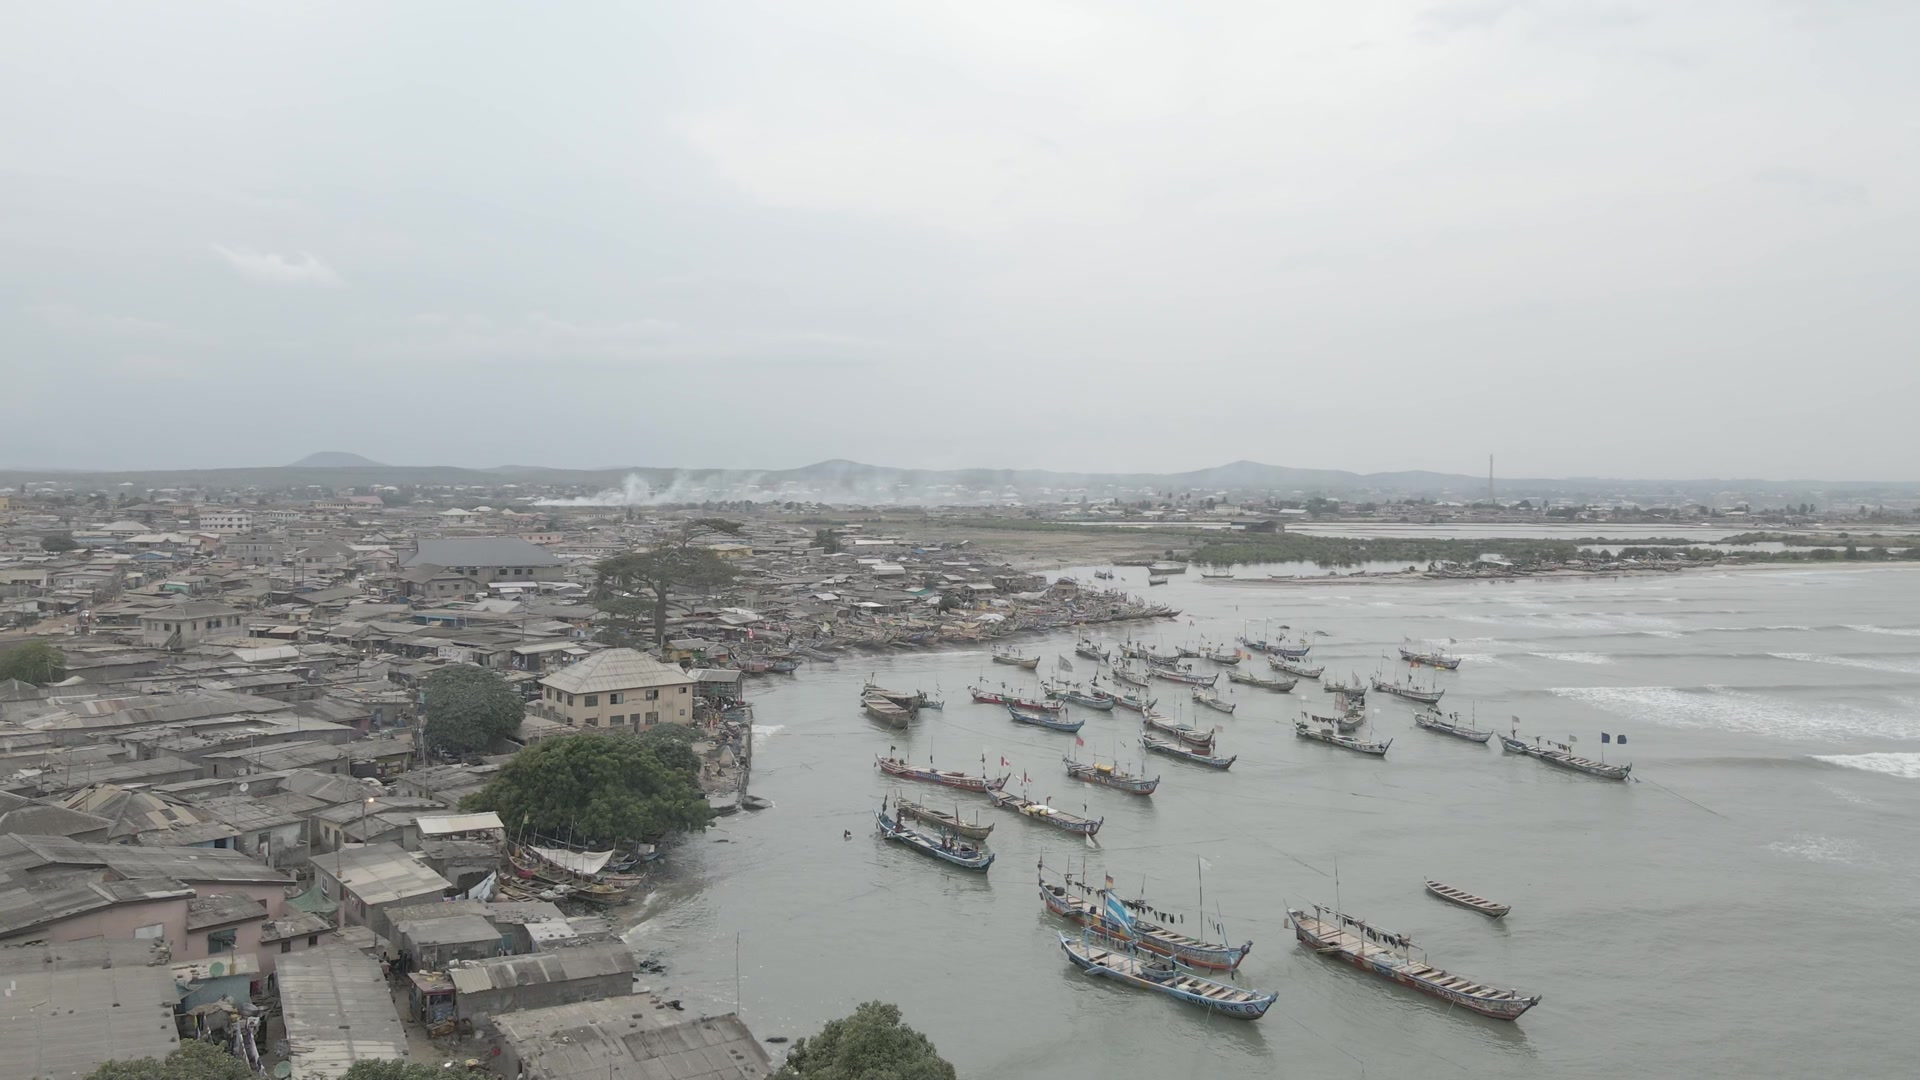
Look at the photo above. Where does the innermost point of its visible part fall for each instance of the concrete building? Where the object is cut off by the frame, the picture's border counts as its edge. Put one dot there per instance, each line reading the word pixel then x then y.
pixel 618 689
pixel 368 879
pixel 182 624
pixel 226 521
pixel 614 1040
pixel 68 1008
pixel 464 566
pixel 337 1012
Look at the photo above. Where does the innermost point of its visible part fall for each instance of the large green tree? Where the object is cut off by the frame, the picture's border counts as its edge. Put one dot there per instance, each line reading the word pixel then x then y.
pixel 469 709
pixel 872 1044
pixel 193 1061
pixel 58 542
pixel 633 589
pixel 393 1070
pixel 600 789
pixel 35 662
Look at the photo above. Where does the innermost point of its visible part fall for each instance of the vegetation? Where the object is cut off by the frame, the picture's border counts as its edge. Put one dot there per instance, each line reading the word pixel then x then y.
pixel 872 1044
pixel 392 1070
pixel 828 541
pixel 469 709
pixel 34 662
pixel 601 789
pixel 58 542
pixel 193 1061
pixel 1346 551
pixel 633 589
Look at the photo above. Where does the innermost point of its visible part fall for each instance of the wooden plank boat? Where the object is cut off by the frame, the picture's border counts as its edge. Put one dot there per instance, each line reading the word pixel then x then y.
pixel 1431 719
pixel 945 848
pixel 1213 701
pixel 1562 756
pixel 1216 573
pixel 1134 702
pixel 1192 736
pixel 1389 956
pixel 1156 579
pixel 1045 718
pixel 908 771
pixel 909 810
pixel 1086 699
pixel 1248 678
pixel 1434 658
pixel 1134 651
pixel 1068 903
pixel 1294 667
pixel 1088 649
pixel 1186 677
pixel 1333 738
pixel 1185 653
pixel 1110 776
pixel 1162 977
pixel 1408 691
pixel 1008 656
pixel 1292 652
pixel 1035 810
pixel 1355 690
pixel 909 702
pixel 1224 657
pixel 1185 753
pixel 989 697
pixel 1167 568
pixel 886 712
pixel 1129 676
pixel 1347 722
pixel 1467 900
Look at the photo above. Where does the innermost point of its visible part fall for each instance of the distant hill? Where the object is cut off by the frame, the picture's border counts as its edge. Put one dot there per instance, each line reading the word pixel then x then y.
pixel 335 459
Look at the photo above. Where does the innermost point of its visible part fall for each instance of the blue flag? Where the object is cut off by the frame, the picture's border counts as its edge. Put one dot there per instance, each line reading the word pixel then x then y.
pixel 1622 740
pixel 1604 737
pixel 1118 915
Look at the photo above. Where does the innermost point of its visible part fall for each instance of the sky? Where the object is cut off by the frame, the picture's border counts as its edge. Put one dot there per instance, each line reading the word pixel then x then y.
pixel 1625 239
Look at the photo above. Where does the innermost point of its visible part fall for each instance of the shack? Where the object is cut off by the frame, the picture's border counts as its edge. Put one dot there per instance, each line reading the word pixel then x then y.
pixel 337 1012
pixel 433 944
pixel 622 1039
pixel 488 988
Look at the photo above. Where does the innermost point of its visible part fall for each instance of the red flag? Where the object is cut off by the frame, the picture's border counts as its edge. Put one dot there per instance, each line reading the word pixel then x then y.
pixel 1023 780
pixel 1078 741
pixel 1003 763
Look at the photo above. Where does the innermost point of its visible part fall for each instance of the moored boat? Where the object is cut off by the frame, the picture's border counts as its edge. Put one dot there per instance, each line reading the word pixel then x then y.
pixel 951 822
pixel 1348 721
pixel 1295 667
pixel 1087 699
pixel 929 775
pixel 1429 657
pixel 1192 736
pixel 945 848
pixel 1331 737
pixel 1098 957
pixel 1156 579
pixel 1248 678
pixel 1089 650
pixel 1167 568
pixel 1431 719
pixel 1216 574
pixel 886 712
pixel 1046 815
pixel 1214 701
pixel 1355 690
pixel 1044 718
pixel 1008 656
pixel 1408 690
pixel 1221 657
pixel 1562 756
pixel 909 702
pixel 1389 956
pixel 1081 904
pixel 1465 899
pixel 1110 776
pixel 1133 702
pixel 1186 753
pixel 1187 677
pixel 1129 676
pixel 991 697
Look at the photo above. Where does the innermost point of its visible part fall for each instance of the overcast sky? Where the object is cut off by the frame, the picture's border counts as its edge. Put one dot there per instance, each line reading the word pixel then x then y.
pixel 1626 239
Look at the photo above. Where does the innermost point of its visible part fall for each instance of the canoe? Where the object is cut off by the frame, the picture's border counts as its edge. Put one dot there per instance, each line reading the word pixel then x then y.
pixel 1386 954
pixel 1150 936
pixel 1564 758
pixel 1345 742
pixel 1029 663
pixel 947 778
pixel 886 712
pixel 1467 900
pixel 1449 725
pixel 1213 701
pixel 1046 815
pixel 1247 678
pixel 1185 753
pixel 1185 677
pixel 1109 776
pixel 1162 977
pixel 1045 719
pixel 1192 736
pixel 950 822
pixel 1293 667
pixel 957 852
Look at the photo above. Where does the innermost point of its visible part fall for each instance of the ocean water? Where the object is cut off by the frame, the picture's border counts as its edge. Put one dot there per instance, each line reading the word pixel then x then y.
pixel 1744 908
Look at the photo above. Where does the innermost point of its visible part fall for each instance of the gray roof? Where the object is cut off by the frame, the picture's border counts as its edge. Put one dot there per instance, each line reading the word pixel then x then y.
pixel 566 965
pixel 480 551
pixel 459 930
pixel 191 609
pixel 220 909
pixel 70 1007
pixel 337 1011
pixel 381 873
pixel 190 865
pixel 623 1039
pixel 616 669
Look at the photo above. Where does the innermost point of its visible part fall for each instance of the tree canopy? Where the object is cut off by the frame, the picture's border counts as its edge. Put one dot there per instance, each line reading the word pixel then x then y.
pixel 34 662
pixel 872 1044
pixel 633 589
pixel 392 1070
pixel 58 542
pixel 193 1061
pixel 469 709
pixel 600 790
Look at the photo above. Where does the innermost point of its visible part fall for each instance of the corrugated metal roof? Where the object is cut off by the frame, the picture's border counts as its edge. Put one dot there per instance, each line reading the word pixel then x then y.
pixel 458 823
pixel 616 669
pixel 337 1012
pixel 565 965
pixel 480 551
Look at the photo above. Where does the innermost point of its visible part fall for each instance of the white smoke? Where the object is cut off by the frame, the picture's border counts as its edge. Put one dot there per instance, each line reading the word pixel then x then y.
pixel 721 487
pixel 632 491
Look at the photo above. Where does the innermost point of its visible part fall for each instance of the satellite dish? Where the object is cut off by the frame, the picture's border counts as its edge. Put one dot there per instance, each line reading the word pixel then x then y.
pixel 242 789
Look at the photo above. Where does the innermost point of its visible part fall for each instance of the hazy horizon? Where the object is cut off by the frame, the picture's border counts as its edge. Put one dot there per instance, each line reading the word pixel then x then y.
pixel 1596 240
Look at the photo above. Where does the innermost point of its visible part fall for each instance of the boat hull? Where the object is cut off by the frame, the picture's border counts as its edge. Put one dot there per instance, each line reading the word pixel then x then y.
pixel 1504 1009
pixel 1175 750
pixel 960 781
pixel 1132 785
pixel 974 859
pixel 1583 766
pixel 1044 720
pixel 1479 905
pixel 1096 961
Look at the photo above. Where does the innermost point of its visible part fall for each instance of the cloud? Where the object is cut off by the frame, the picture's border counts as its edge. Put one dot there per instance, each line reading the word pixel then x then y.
pixel 302 269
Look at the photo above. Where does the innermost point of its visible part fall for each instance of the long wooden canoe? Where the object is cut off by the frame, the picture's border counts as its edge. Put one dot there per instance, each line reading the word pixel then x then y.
pixel 1467 900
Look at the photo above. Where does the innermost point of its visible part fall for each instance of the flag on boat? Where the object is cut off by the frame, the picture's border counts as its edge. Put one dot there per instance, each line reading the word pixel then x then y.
pixel 1063 663
pixel 1078 741
pixel 1003 763
pixel 1117 911
pixel 1109 882
pixel 1605 738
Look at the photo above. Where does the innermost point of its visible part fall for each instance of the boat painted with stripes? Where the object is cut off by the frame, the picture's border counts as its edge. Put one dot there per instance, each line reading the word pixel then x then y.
pixel 1080 904
pixel 906 809
pixel 1192 736
pixel 1390 956
pixel 1052 721
pixel 1186 753
pixel 1248 678
pixel 1110 776
pixel 1214 701
pixel 930 775
pixel 1430 719
pixel 1096 956
pixel 1331 737
pixel 947 849
pixel 1035 810
pixel 1562 756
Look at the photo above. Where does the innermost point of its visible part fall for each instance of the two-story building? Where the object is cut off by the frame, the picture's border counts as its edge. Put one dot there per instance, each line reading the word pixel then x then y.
pixel 226 521
pixel 179 625
pixel 618 689
pixel 463 566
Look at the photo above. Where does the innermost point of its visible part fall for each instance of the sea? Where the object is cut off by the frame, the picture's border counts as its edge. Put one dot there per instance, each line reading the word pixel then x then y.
pixel 1744 907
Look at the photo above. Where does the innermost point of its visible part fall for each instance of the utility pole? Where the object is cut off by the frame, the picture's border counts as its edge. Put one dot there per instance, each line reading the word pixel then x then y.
pixel 1489 477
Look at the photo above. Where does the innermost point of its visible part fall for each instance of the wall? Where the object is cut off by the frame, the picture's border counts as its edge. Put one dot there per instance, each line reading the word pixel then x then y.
pixel 675 706
pixel 120 921
pixel 516 998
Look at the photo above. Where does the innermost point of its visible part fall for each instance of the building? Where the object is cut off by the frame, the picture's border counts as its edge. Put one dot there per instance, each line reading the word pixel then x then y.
pixel 465 566
pixel 490 988
pixel 618 689
pixel 334 1001
pixel 368 879
pixel 226 521
pixel 68 1008
pixel 185 623
pixel 613 1040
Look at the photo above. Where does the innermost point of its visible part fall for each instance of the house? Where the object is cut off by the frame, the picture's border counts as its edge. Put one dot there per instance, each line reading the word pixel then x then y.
pixel 321 559
pixel 178 625
pixel 618 689
pixel 507 984
pixel 612 1039
pixel 226 521
pixel 479 561
pixel 337 1012
pixel 71 1007
pixel 368 879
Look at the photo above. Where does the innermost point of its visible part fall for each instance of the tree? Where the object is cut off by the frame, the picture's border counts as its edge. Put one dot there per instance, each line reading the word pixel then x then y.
pixel 633 589
pixel 469 709
pixel 827 541
pixel 35 662
pixel 193 1061
pixel 392 1070
pixel 601 790
pixel 58 542
pixel 872 1044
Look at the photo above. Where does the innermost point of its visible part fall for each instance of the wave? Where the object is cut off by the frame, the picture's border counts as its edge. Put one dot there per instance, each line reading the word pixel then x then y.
pixel 1905 766
pixel 1908 667
pixel 1896 631
pixel 1574 657
pixel 1826 849
pixel 1722 708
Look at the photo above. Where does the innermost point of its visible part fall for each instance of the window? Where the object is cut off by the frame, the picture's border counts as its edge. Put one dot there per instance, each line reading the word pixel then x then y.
pixel 220 941
pixel 683 689
pixel 569 699
pixel 613 698
pixel 312 940
pixel 593 721
pixel 616 720
pixel 286 946
pixel 152 931
pixel 653 718
pixel 653 695
pixel 592 700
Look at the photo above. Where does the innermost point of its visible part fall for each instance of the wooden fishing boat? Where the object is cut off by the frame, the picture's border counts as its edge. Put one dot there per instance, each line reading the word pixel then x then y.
pixel 1223 657
pixel 576 874
pixel 1088 649
pixel 908 771
pixel 1167 568
pixel 952 823
pixel 1086 699
pixel 1185 653
pixel 1291 652
pixel 1434 658
pixel 1562 756
pixel 1185 753
pixel 1067 902
pixel 1187 677
pixel 1096 957
pixel 934 703
pixel 909 702
pixel 1431 719
pixel 1110 776
pixel 1046 815
pixel 1408 691
pixel 1467 900
pixel 1248 678
pixel 1347 722
pixel 1129 676
pixel 1191 736
pixel 1389 956
pixel 945 848
pixel 1008 656
pixel 887 712
pixel 1355 690
pixel 1216 573
pixel 989 697
pixel 1213 701
pixel 1156 579
pixel 1103 575
pixel 1295 668
pixel 1156 662
pixel 1044 718
pixel 1133 702
pixel 1133 651
pixel 1333 738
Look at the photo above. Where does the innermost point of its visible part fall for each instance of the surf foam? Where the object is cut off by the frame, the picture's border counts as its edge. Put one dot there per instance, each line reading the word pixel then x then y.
pixel 1723 708
pixel 1904 766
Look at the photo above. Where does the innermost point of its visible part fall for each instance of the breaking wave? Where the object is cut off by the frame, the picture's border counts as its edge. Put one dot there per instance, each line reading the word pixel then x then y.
pixel 1574 657
pixel 1724 709
pixel 1905 766
pixel 1896 631
pixel 1826 849
pixel 1898 667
